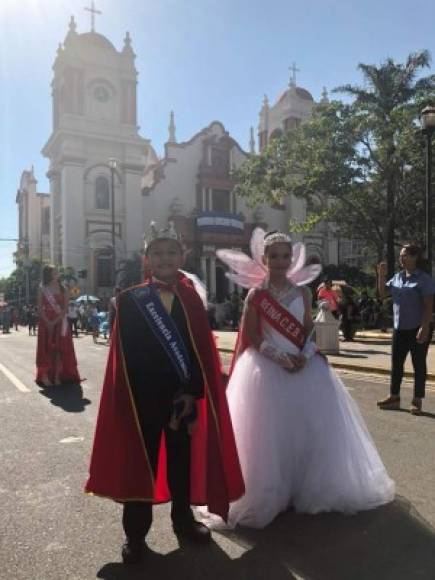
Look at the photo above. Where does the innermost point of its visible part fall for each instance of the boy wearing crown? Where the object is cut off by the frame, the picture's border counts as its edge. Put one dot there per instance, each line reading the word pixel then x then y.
pixel 163 431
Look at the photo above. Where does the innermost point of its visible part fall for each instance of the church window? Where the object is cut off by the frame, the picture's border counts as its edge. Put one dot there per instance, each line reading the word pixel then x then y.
pixel 221 200
pixel 45 225
pixel 102 194
pixel 220 159
pixel 291 123
pixel 101 94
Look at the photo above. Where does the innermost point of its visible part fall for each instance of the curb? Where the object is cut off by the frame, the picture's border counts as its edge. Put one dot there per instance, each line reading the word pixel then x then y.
pixel 357 368
pixel 375 370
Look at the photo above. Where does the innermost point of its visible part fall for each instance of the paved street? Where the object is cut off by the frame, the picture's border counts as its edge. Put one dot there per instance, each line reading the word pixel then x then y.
pixel 49 530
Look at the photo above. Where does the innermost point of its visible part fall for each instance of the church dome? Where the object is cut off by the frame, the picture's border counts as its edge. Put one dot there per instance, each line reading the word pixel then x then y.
pixel 304 94
pixel 299 91
pixel 94 39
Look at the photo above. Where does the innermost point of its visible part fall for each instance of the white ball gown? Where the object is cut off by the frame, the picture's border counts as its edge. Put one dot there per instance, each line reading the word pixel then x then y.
pixel 301 439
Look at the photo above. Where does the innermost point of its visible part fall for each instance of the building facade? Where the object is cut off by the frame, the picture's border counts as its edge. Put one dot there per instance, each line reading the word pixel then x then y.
pixel 95 143
pixel 107 183
pixel 193 187
pixel 33 219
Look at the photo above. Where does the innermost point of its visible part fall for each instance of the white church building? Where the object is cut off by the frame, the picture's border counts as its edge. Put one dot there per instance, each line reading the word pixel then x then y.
pixel 107 183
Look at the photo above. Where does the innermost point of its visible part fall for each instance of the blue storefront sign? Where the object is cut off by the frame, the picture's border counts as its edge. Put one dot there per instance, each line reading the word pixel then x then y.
pixel 220 222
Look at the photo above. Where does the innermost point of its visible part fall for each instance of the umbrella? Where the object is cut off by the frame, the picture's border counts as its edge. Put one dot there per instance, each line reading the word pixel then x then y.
pixel 87 298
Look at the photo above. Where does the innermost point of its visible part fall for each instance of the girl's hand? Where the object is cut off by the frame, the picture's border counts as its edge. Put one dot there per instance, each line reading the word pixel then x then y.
pixel 288 363
pixel 298 362
pixel 292 362
pixel 301 361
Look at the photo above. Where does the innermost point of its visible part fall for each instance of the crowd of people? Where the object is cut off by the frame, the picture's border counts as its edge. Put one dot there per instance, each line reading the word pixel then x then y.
pixel 82 317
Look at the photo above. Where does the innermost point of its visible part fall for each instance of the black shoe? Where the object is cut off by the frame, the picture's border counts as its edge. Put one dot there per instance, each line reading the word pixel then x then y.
pixel 193 531
pixel 133 552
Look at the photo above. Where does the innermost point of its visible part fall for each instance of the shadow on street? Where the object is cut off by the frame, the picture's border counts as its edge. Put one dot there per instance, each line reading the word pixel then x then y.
pixel 384 341
pixel 405 410
pixel 68 397
pixel 389 543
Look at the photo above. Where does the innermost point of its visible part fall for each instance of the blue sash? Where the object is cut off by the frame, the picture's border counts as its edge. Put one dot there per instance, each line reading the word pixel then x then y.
pixel 162 326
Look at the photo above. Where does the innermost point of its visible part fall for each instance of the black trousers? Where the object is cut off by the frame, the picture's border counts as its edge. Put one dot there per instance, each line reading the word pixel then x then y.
pixel 73 326
pixel 404 341
pixel 137 515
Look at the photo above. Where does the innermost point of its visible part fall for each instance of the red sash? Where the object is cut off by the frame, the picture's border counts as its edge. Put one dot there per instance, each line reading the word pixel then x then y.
pixel 279 318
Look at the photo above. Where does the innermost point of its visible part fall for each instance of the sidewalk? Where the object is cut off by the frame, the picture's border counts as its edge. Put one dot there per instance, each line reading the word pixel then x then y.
pixel 369 353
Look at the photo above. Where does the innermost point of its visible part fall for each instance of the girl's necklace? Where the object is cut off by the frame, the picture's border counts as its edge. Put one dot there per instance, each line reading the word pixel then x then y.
pixel 281 293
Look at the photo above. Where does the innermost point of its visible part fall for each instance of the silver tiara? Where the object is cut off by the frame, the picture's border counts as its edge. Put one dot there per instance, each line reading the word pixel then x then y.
pixel 277 237
pixel 167 233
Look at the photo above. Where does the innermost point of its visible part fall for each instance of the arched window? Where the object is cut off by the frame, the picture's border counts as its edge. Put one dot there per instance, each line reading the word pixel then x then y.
pixel 102 193
pixel 291 123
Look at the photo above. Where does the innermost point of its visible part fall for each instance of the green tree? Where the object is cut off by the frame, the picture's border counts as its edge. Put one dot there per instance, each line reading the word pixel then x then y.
pixel 350 161
pixel 23 282
pixel 390 96
pixel 67 276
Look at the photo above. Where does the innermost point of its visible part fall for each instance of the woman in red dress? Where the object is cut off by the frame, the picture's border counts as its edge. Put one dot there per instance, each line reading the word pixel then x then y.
pixel 55 358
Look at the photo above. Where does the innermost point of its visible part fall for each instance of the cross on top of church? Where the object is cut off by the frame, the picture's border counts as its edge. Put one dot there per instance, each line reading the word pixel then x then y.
pixel 293 70
pixel 93 11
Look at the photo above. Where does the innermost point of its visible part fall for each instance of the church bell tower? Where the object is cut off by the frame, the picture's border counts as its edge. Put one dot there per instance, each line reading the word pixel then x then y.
pixel 96 156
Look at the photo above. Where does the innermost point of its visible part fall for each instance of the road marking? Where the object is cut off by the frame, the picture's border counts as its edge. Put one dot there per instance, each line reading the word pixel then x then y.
pixel 14 380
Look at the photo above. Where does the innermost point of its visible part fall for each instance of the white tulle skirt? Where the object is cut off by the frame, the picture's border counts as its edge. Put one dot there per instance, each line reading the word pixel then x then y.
pixel 302 442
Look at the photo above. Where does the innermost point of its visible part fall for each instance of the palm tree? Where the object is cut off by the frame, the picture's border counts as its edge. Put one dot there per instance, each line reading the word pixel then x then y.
pixel 388 90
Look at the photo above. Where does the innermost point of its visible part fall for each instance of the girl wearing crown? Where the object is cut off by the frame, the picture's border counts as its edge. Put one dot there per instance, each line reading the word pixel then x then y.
pixel 301 439
pixel 55 357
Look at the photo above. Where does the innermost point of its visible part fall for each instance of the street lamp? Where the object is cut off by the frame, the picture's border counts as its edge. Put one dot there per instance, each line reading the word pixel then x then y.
pixel 113 164
pixel 427 117
pixel 27 264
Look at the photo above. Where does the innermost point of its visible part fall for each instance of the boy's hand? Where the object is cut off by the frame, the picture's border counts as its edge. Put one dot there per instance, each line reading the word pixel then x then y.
pixel 188 401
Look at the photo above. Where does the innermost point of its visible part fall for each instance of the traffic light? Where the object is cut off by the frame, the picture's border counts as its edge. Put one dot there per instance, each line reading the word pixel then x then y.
pixel 82 273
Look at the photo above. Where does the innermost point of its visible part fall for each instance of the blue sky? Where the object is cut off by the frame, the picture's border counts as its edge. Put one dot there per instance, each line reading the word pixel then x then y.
pixel 205 59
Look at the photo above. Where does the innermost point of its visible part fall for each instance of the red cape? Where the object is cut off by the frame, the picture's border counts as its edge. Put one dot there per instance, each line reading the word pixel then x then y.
pixel 119 466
